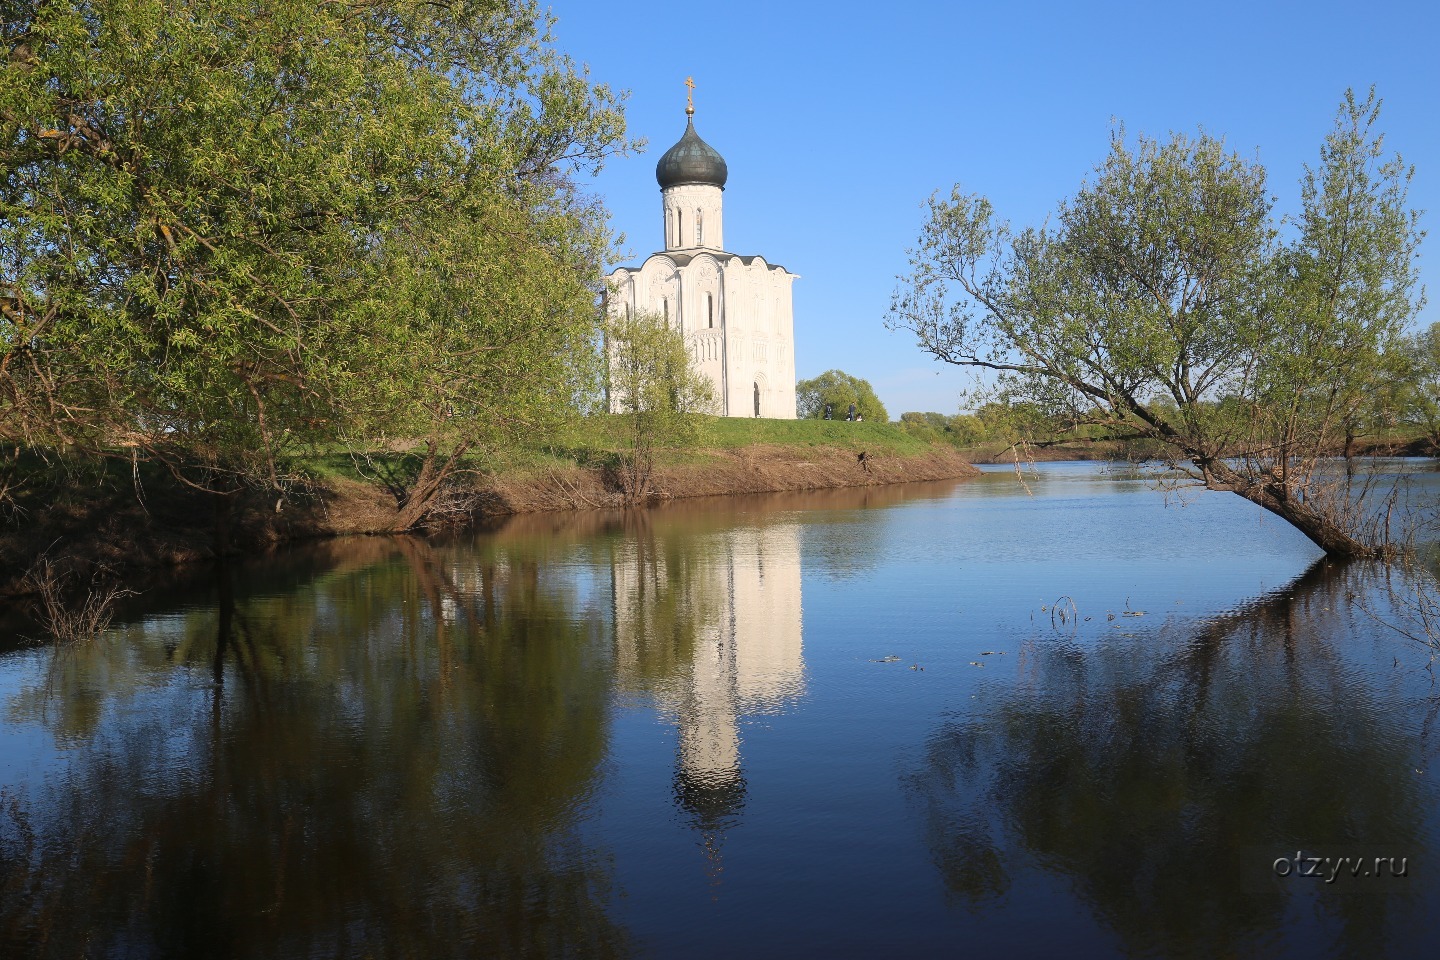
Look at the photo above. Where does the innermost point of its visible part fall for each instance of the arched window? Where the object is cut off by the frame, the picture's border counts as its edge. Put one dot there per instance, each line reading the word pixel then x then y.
pixel 699 228
pixel 757 398
pixel 679 228
pixel 710 308
pixel 665 305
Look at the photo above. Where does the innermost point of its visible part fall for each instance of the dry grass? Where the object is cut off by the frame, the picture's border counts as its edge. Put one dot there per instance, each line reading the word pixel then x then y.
pixel 70 607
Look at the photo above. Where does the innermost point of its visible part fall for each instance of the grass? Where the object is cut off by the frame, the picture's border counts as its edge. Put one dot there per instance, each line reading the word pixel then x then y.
pixel 70 610
pixel 729 433
pixel 599 440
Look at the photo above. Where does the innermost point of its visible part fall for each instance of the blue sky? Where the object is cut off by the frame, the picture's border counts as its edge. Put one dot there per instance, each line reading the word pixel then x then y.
pixel 838 120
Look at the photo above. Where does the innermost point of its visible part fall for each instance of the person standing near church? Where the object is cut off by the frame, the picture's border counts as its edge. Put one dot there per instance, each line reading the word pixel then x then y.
pixel 851 415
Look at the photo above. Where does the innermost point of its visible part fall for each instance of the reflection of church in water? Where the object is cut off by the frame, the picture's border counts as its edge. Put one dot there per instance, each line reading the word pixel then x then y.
pixel 710 629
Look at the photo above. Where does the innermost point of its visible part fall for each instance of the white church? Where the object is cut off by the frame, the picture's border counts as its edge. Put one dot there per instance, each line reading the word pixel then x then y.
pixel 735 311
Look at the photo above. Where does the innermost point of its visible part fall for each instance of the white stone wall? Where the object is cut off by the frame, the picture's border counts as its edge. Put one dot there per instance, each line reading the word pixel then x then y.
pixel 738 318
pixel 760 334
pixel 694 217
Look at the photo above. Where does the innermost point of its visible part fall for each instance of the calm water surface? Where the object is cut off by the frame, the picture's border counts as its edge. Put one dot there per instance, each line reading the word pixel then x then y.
pixel 1065 717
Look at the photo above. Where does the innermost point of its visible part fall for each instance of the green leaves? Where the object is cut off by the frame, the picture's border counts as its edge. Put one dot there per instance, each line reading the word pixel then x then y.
pixel 838 389
pixel 221 221
pixel 657 390
pixel 1168 302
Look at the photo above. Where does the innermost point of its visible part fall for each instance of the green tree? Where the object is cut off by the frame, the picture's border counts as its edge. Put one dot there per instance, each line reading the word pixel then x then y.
pixel 656 390
pixel 1166 277
pixel 1019 422
pixel 967 429
pixel 1417 392
pixel 228 227
pixel 920 424
pixel 935 426
pixel 488 337
pixel 838 389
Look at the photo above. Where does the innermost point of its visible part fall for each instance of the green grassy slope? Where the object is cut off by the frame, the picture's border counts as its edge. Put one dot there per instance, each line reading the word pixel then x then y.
pixel 598 440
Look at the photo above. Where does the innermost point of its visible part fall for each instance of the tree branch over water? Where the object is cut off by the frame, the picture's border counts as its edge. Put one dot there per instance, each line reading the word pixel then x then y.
pixel 1164 305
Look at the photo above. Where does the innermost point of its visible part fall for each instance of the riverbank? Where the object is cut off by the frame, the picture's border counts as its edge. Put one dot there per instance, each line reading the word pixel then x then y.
pixel 1110 450
pixel 111 523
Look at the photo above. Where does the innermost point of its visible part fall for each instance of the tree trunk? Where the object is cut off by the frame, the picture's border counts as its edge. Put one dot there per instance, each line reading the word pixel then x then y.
pixel 224 489
pixel 1323 531
pixel 635 475
pixel 220 541
pixel 427 486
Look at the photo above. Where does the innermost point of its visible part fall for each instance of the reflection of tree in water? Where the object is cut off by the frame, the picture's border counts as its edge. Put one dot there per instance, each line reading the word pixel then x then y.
pixel 656 611
pixel 1164 792
pixel 389 761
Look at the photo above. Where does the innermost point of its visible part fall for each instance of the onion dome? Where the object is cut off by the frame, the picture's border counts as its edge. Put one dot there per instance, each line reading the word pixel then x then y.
pixel 692 160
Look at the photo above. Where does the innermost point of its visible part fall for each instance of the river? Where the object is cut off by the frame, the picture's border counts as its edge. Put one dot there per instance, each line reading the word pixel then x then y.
pixel 1068 713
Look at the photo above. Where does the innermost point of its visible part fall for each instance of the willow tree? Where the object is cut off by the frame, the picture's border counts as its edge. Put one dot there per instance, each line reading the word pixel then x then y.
pixel 483 335
pixel 657 391
pixel 228 226
pixel 1166 303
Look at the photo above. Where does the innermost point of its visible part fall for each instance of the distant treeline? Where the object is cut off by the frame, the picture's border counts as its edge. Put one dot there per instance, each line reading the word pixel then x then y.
pixel 1401 414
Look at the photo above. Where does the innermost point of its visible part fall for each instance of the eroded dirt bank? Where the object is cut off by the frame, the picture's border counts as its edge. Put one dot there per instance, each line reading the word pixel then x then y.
pixel 120 531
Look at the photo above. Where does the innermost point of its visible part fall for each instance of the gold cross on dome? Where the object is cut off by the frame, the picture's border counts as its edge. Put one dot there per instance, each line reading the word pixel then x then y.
pixel 690 95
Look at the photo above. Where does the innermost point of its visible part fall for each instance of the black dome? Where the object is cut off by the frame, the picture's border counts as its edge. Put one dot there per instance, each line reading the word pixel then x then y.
pixel 692 160
pixel 713 799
